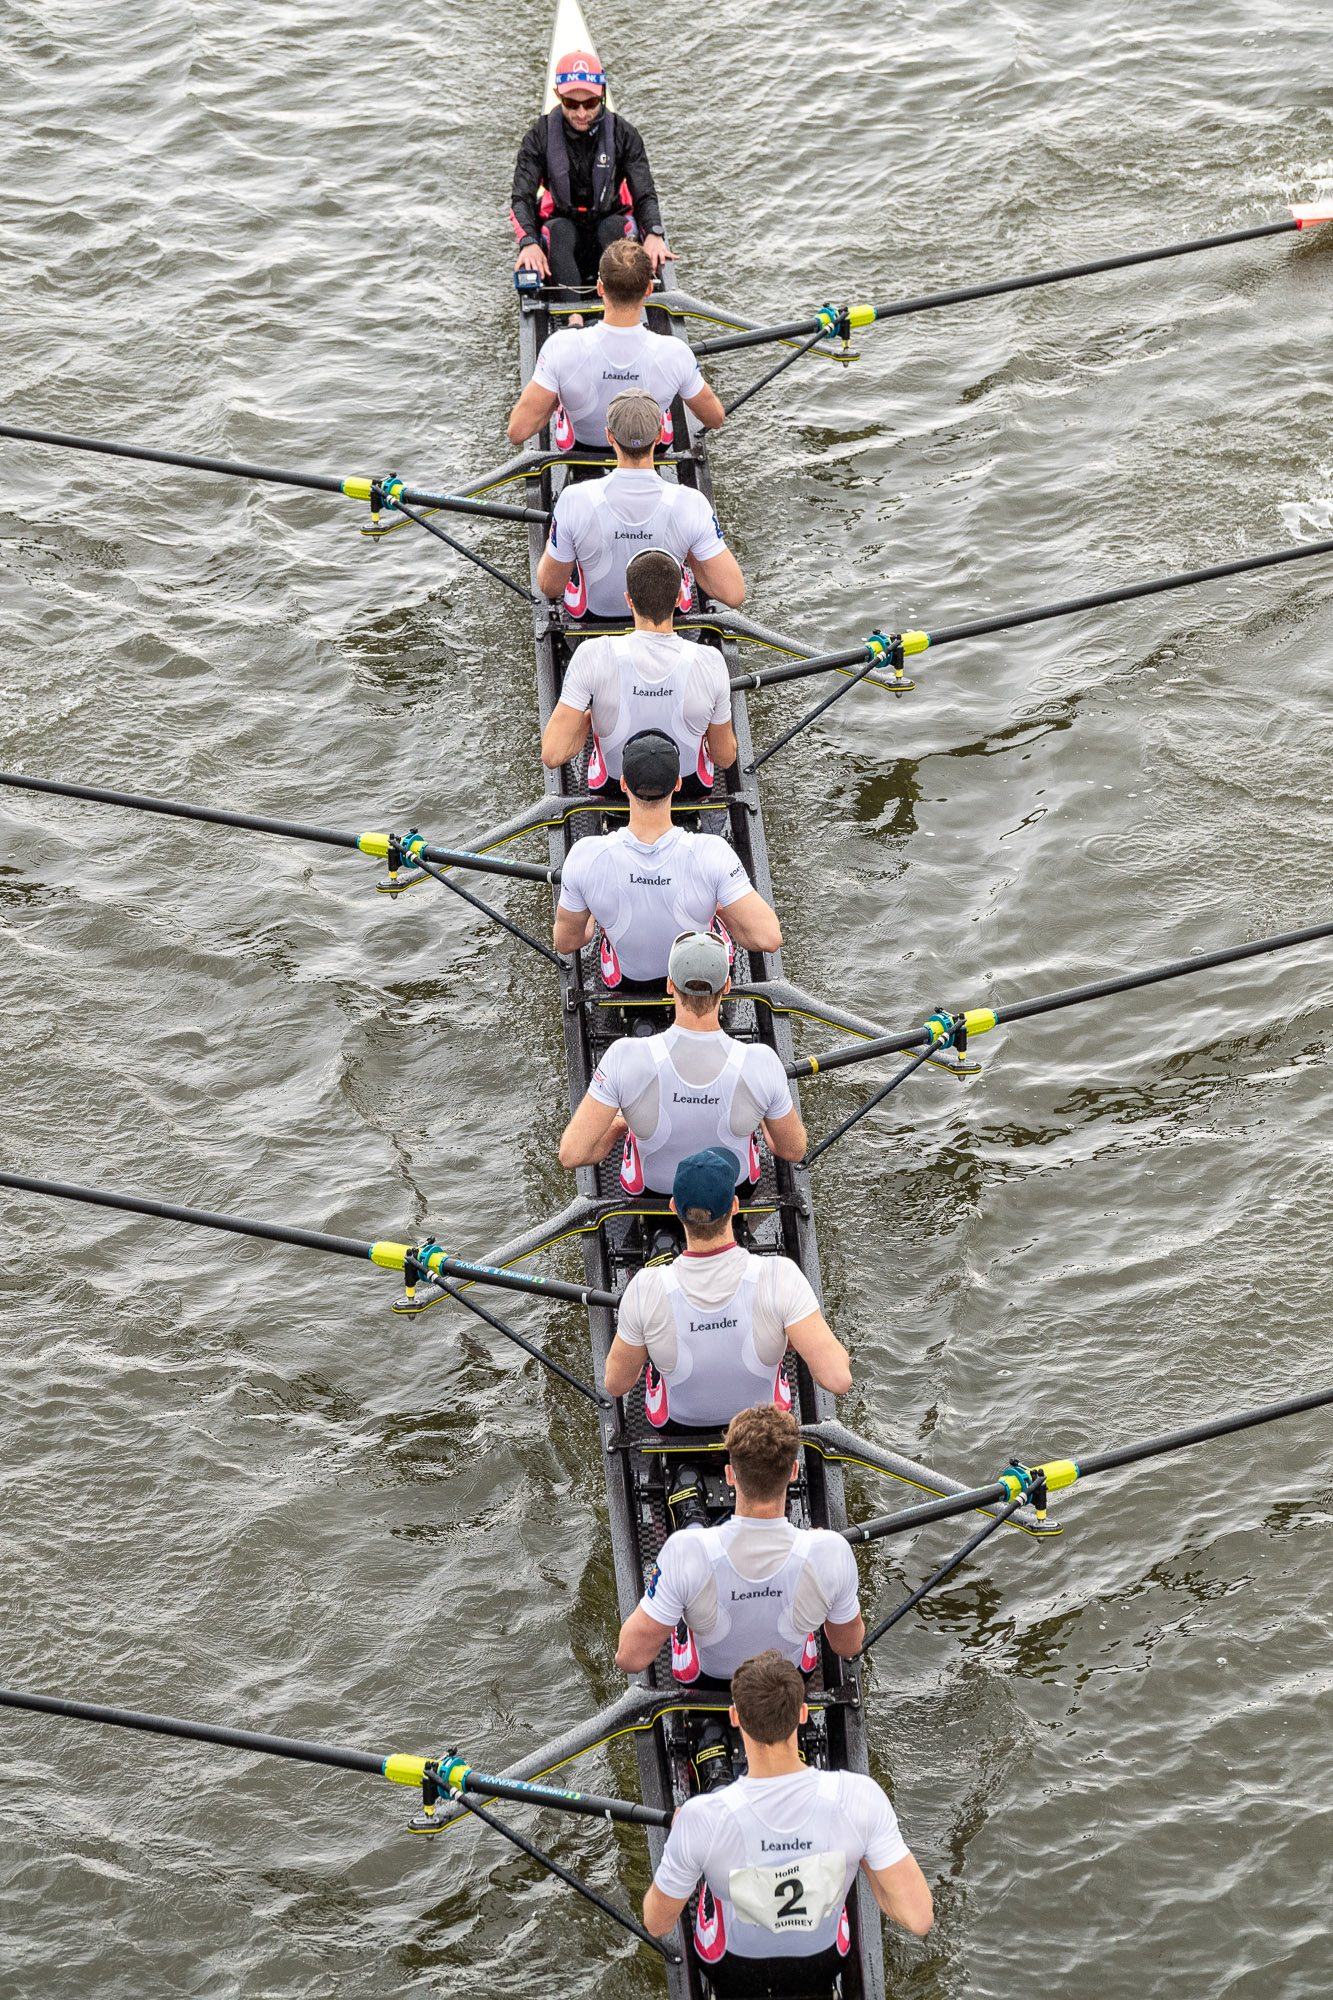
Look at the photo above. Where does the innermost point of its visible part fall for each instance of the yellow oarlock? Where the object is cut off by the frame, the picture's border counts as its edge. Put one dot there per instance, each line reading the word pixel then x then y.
pixel 978 1019
pixel 373 843
pixel 357 489
pixel 860 315
pixel 914 642
pixel 1060 1472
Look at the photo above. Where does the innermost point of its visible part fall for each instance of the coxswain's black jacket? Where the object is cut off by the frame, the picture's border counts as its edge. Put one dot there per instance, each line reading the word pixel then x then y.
pixel 582 148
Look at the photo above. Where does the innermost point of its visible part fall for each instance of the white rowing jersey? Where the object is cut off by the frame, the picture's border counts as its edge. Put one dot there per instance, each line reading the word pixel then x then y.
pixel 600 524
pixel 649 680
pixel 714 1327
pixel 750 1586
pixel 645 893
pixel 586 367
pixel 778 1857
pixel 682 1092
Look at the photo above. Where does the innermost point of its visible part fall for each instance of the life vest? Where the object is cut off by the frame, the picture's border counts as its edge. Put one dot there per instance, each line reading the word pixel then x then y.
pixel 605 194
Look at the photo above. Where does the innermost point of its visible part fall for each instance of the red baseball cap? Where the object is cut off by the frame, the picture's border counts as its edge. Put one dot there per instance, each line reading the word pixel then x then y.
pixel 579 70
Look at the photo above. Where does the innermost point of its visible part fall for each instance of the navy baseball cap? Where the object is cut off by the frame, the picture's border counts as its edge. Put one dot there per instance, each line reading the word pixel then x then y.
pixel 707 1180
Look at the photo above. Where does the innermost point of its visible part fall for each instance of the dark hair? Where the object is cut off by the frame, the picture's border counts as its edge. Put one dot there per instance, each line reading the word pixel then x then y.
pixel 768 1694
pixel 626 271
pixel 761 1445
pixel 652 582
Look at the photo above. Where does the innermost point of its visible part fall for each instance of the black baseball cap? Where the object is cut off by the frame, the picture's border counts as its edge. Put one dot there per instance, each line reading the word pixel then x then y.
pixel 650 764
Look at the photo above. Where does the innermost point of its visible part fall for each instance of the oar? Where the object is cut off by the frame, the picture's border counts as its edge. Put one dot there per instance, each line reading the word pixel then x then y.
pixel 830 320
pixel 1019 1482
pixel 946 1030
pixel 410 847
pixel 871 649
pixel 436 1776
pixel 421 1261
pixel 380 492
pixel 450 1774
pixel 399 849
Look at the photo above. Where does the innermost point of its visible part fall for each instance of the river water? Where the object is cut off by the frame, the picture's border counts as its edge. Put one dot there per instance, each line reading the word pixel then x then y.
pixel 236 1487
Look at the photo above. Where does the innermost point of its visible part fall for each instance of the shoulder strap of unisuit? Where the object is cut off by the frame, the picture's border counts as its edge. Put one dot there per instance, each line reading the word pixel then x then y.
pixel 557 159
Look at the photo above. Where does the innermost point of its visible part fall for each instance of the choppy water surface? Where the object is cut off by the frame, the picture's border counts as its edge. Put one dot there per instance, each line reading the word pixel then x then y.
pixel 235 1487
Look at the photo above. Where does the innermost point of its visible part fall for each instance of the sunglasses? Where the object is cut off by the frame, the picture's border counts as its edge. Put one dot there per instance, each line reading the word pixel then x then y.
pixel 582 103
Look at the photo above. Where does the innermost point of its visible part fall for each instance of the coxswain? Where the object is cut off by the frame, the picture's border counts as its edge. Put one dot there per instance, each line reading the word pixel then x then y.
pixel 598 185
pixel 582 369
pixel 599 524
pixel 650 678
pixel 648 882
pixel 689 1089
pixel 752 1583
pixel 715 1325
pixel 778 1852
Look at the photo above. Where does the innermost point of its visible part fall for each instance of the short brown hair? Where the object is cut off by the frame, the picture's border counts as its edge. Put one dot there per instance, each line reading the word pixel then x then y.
pixel 626 271
pixel 652 583
pixel 761 1445
pixel 707 1228
pixel 768 1695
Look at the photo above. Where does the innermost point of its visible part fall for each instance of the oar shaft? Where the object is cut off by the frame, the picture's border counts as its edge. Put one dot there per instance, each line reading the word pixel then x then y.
pixel 235 468
pixel 389 1256
pixel 1072 996
pixel 1007 621
pixel 286 829
pixel 963 294
pixel 199 1218
pixel 1071 1471
pixel 197 1732
pixel 592 1804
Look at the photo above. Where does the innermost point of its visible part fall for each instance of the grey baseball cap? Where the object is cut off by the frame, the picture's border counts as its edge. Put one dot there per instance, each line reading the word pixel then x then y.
pixel 699 962
pixel 634 419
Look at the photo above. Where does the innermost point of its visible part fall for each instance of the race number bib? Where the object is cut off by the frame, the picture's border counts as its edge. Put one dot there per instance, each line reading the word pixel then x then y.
pixel 798 1896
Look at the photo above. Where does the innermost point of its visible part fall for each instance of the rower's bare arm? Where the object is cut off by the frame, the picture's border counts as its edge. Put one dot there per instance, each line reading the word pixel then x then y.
pixel 822 1352
pixel 530 412
pixel 706 408
pixel 552 576
pixel 753 922
pixel 573 928
pixel 590 1134
pixel 564 735
pixel 661 1913
pixel 641 1640
pixel 903 1893
pixel 786 1136
pixel 721 739
pixel 624 1365
pixel 719 577
pixel 846 1640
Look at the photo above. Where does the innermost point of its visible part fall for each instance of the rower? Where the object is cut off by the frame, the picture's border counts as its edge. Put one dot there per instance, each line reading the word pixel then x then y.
pixel 646 883
pixel 582 370
pixel 684 1091
pixel 600 523
pixel 754 1582
pixel 714 1326
pixel 649 679
pixel 778 1851
pixel 597 181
